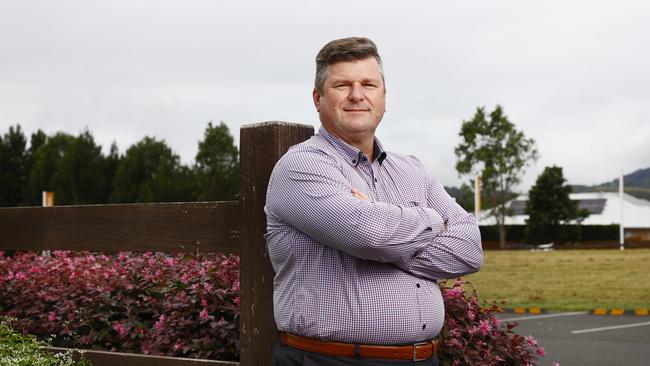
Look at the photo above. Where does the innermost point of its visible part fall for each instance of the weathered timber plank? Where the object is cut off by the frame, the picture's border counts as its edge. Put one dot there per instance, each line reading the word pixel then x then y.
pixel 104 358
pixel 168 227
pixel 262 146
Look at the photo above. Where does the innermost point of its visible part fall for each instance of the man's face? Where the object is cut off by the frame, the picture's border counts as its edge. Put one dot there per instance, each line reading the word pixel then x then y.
pixel 353 99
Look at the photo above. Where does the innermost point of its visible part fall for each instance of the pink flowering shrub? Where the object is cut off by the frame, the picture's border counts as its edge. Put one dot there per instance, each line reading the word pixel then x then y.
pixel 188 305
pixel 152 303
pixel 473 335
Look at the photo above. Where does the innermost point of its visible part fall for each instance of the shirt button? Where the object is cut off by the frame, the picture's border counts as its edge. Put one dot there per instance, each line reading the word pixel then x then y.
pixel 354 161
pixel 417 285
pixel 424 326
pixel 375 180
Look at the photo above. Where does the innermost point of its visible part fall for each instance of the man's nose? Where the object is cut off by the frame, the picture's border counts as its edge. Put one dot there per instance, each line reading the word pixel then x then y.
pixel 356 92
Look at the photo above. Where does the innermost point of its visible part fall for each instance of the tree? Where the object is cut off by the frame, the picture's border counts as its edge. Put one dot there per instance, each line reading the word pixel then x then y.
pixel 217 165
pixel 111 164
pixel 464 196
pixel 151 172
pixel 13 167
pixel 549 208
pixel 72 167
pixel 497 151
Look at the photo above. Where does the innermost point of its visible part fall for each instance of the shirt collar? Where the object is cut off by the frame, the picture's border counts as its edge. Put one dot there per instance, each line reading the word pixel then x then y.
pixel 352 154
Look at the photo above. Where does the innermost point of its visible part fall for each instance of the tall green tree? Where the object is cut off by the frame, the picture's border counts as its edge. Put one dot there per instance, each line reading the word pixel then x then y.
pixel 13 167
pixel 110 166
pixel 151 172
pixel 217 165
pixel 493 148
pixel 70 166
pixel 550 209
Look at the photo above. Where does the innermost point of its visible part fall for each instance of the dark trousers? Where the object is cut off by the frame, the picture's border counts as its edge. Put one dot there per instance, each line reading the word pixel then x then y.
pixel 284 355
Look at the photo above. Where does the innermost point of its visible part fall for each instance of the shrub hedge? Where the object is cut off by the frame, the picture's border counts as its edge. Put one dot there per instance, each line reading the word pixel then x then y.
pixel 588 232
pixel 188 306
pixel 151 303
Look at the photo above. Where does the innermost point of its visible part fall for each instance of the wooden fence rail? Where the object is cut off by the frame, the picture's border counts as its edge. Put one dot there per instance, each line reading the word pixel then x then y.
pixel 203 227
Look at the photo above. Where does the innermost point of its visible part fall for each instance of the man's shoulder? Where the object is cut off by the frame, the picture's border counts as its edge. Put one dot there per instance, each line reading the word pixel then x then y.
pixel 309 151
pixel 404 159
pixel 315 145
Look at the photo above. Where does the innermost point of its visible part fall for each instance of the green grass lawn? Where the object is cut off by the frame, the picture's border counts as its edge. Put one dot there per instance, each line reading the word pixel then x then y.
pixel 566 279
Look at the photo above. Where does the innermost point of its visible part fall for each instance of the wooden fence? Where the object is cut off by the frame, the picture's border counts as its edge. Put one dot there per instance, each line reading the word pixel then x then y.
pixel 206 227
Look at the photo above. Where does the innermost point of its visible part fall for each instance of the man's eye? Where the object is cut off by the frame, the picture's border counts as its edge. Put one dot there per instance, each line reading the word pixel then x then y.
pixel 340 86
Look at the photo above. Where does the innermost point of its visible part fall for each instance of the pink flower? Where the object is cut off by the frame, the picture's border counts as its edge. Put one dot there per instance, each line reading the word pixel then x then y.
pixel 51 316
pixel 484 327
pixel 160 322
pixel 454 292
pixel 555 363
pixel 237 300
pixel 204 303
pixel 203 315
pixel 472 330
pixel 541 351
pixel 177 346
pixel 120 329
pixel 207 287
pixel 496 322
pixel 20 276
pixel 471 315
pixel 530 340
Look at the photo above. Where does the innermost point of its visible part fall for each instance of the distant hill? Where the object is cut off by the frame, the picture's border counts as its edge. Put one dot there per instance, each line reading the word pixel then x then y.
pixel 637 184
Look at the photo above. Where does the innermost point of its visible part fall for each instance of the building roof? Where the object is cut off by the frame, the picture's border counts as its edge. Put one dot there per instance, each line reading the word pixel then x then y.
pixel 605 209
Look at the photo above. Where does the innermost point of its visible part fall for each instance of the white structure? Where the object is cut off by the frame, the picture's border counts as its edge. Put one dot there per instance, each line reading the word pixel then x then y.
pixel 605 209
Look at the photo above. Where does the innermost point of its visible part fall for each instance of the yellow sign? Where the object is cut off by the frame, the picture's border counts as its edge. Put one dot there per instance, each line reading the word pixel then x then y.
pixel 48 199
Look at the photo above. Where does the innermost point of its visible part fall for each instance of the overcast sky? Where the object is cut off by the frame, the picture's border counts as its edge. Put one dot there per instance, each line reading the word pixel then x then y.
pixel 573 75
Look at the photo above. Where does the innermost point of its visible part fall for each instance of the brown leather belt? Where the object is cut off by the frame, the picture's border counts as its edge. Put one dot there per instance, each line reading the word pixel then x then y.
pixel 416 352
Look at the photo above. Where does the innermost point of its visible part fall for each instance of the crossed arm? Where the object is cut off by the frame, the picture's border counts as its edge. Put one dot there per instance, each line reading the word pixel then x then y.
pixel 454 252
pixel 434 242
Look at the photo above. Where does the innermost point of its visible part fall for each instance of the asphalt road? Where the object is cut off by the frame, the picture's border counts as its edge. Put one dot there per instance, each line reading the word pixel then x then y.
pixel 575 339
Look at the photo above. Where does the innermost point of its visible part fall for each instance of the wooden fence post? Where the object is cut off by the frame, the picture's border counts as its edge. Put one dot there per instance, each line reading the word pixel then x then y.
pixel 262 144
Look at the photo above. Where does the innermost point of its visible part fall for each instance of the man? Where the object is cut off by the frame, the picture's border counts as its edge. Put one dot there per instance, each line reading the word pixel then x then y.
pixel 358 236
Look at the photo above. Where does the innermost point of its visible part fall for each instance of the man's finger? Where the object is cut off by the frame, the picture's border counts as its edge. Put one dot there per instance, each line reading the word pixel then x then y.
pixel 358 194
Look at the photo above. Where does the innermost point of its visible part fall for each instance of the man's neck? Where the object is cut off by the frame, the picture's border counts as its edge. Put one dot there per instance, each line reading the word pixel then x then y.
pixel 365 144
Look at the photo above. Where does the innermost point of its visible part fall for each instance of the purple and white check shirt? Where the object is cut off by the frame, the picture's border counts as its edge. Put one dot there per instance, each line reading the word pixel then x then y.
pixel 359 271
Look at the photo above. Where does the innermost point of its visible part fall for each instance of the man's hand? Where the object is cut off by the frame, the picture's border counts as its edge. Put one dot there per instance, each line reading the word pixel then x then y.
pixel 358 194
pixel 363 197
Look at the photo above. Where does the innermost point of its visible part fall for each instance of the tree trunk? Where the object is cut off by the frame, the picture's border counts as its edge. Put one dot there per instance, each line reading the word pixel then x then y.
pixel 502 236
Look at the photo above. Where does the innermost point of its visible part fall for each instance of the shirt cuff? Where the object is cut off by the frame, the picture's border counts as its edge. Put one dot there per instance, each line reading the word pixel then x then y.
pixel 436 222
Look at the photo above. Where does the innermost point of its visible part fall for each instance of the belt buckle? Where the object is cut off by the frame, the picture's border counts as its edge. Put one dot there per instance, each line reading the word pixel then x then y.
pixel 415 358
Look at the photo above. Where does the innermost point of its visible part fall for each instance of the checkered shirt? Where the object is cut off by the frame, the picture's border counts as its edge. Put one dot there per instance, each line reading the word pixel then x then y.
pixel 358 271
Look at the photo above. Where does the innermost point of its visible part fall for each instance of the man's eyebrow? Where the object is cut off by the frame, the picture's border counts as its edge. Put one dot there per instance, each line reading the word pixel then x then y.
pixel 348 81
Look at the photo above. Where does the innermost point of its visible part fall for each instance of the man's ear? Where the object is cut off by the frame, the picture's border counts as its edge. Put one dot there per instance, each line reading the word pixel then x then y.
pixel 316 95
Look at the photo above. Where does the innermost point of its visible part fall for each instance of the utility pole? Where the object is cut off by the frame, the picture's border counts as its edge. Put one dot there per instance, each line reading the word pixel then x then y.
pixel 477 196
pixel 621 239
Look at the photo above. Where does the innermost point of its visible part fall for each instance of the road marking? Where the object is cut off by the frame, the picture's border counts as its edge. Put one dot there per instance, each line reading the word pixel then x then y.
pixel 545 316
pixel 610 328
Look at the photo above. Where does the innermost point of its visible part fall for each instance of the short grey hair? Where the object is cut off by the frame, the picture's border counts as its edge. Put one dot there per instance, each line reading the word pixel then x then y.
pixel 344 49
